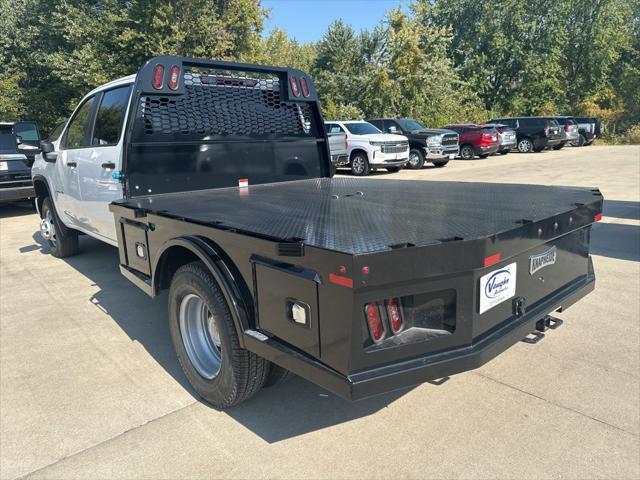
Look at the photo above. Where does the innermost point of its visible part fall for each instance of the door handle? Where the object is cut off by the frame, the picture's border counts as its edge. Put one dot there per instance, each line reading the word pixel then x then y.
pixel 109 165
pixel 72 164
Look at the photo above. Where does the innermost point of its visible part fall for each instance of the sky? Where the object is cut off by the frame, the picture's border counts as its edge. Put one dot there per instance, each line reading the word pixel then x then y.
pixel 307 20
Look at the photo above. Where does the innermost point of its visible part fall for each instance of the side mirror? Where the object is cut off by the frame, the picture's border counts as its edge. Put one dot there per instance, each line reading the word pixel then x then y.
pixel 48 151
pixel 393 129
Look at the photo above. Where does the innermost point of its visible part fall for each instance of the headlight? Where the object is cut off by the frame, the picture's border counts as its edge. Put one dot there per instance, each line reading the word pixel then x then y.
pixel 375 144
pixel 434 141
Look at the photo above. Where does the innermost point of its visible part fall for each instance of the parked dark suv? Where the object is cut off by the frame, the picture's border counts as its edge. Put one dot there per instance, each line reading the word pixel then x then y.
pixel 15 168
pixel 534 134
pixel 480 140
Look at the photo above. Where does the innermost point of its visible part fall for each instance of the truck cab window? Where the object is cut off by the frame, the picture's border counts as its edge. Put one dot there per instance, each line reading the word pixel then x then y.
pixel 75 137
pixel 332 128
pixel 111 116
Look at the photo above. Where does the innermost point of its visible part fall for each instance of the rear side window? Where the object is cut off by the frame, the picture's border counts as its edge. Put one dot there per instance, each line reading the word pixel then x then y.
pixel 333 128
pixel 28 132
pixel 78 126
pixel 110 116
pixel 488 130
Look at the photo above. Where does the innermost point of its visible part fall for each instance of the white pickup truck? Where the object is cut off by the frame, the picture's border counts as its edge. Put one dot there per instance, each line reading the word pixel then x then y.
pixel 369 148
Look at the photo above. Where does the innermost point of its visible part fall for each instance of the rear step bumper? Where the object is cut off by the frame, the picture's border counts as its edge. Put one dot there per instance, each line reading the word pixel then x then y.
pixel 422 369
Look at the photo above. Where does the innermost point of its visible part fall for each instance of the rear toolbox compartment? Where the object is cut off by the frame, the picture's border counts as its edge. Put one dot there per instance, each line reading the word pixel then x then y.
pixel 330 248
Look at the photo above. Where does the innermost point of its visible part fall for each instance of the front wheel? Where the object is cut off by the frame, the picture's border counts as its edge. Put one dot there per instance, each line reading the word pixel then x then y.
pixel 206 342
pixel 484 155
pixel 579 142
pixel 525 146
pixel 440 164
pixel 558 147
pixel 416 159
pixel 467 152
pixel 62 240
pixel 360 165
pixel 393 169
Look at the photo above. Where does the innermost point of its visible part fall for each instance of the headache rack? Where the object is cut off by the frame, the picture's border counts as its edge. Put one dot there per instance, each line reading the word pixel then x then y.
pixel 198 124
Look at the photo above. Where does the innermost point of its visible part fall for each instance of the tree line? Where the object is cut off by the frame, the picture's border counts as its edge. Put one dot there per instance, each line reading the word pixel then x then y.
pixel 439 61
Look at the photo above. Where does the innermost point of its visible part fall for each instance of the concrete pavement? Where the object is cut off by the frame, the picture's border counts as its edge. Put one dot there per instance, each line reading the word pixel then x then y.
pixel 90 388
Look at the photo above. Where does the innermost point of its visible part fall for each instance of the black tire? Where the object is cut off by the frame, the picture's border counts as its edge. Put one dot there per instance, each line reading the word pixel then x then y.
pixel 62 240
pixel 278 376
pixel 360 164
pixel 467 152
pixel 586 144
pixel 525 145
pixel 538 149
pixel 416 159
pixel 393 169
pixel 484 155
pixel 559 146
pixel 440 164
pixel 503 152
pixel 241 373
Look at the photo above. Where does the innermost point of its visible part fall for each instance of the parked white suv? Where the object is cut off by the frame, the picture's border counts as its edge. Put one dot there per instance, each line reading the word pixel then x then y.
pixel 369 148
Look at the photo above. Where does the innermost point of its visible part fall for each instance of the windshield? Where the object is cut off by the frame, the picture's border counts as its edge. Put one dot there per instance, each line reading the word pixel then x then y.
pixel 7 142
pixel 361 128
pixel 409 124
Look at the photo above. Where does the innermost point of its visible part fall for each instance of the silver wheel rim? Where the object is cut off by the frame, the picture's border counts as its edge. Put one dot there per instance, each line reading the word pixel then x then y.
pixel 358 164
pixel 524 146
pixel 414 159
pixel 200 336
pixel 48 228
pixel 466 153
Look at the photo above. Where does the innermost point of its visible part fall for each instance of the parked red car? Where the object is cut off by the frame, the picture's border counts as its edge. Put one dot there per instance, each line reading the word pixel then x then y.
pixel 480 140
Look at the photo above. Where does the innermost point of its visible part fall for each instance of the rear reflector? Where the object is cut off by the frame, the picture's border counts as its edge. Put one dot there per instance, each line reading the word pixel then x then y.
pixel 493 259
pixel 294 86
pixel 158 77
pixel 304 86
pixel 174 77
pixel 340 280
pixel 395 317
pixel 374 321
pixel 597 217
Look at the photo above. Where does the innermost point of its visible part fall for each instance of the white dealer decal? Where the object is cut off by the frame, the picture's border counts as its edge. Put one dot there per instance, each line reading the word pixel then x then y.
pixel 497 286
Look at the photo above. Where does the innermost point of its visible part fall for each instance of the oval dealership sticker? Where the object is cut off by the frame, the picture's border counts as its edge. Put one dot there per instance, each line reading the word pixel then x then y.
pixel 497 286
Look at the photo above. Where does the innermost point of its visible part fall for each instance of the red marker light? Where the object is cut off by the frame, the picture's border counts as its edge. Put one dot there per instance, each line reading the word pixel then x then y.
pixel 365 270
pixel 597 217
pixel 174 77
pixel 304 86
pixel 158 77
pixel 340 280
pixel 492 260
pixel 342 269
pixel 294 86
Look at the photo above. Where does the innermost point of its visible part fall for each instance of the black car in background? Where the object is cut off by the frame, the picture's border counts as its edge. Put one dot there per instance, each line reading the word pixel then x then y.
pixel 15 167
pixel 27 136
pixel 534 134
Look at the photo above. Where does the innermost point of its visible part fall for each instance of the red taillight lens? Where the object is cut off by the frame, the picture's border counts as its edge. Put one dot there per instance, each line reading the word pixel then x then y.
pixel 346 142
pixel 597 217
pixel 174 77
pixel 304 86
pixel 395 316
pixel 546 130
pixel 294 86
pixel 374 321
pixel 566 127
pixel 158 77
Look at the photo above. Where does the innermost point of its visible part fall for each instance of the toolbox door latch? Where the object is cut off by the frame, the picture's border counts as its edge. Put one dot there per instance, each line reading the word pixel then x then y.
pixel 519 306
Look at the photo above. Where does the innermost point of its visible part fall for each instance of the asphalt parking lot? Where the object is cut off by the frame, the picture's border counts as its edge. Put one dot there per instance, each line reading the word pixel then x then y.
pixel 90 388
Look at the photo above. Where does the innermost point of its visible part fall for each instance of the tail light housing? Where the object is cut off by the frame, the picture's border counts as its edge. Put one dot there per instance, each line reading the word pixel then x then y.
pixel 377 329
pixel 567 127
pixel 293 81
pixel 174 77
pixel 346 142
pixel 304 87
pixel 158 77
pixel 546 131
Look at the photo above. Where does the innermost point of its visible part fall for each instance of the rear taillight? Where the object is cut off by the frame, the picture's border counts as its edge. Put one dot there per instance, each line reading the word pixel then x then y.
pixel 174 77
pixel 395 316
pixel 546 130
pixel 346 142
pixel 158 77
pixel 566 127
pixel 374 322
pixel 304 86
pixel 294 86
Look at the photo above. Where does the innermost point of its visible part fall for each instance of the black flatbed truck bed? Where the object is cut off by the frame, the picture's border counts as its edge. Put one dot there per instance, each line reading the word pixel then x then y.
pixel 359 285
